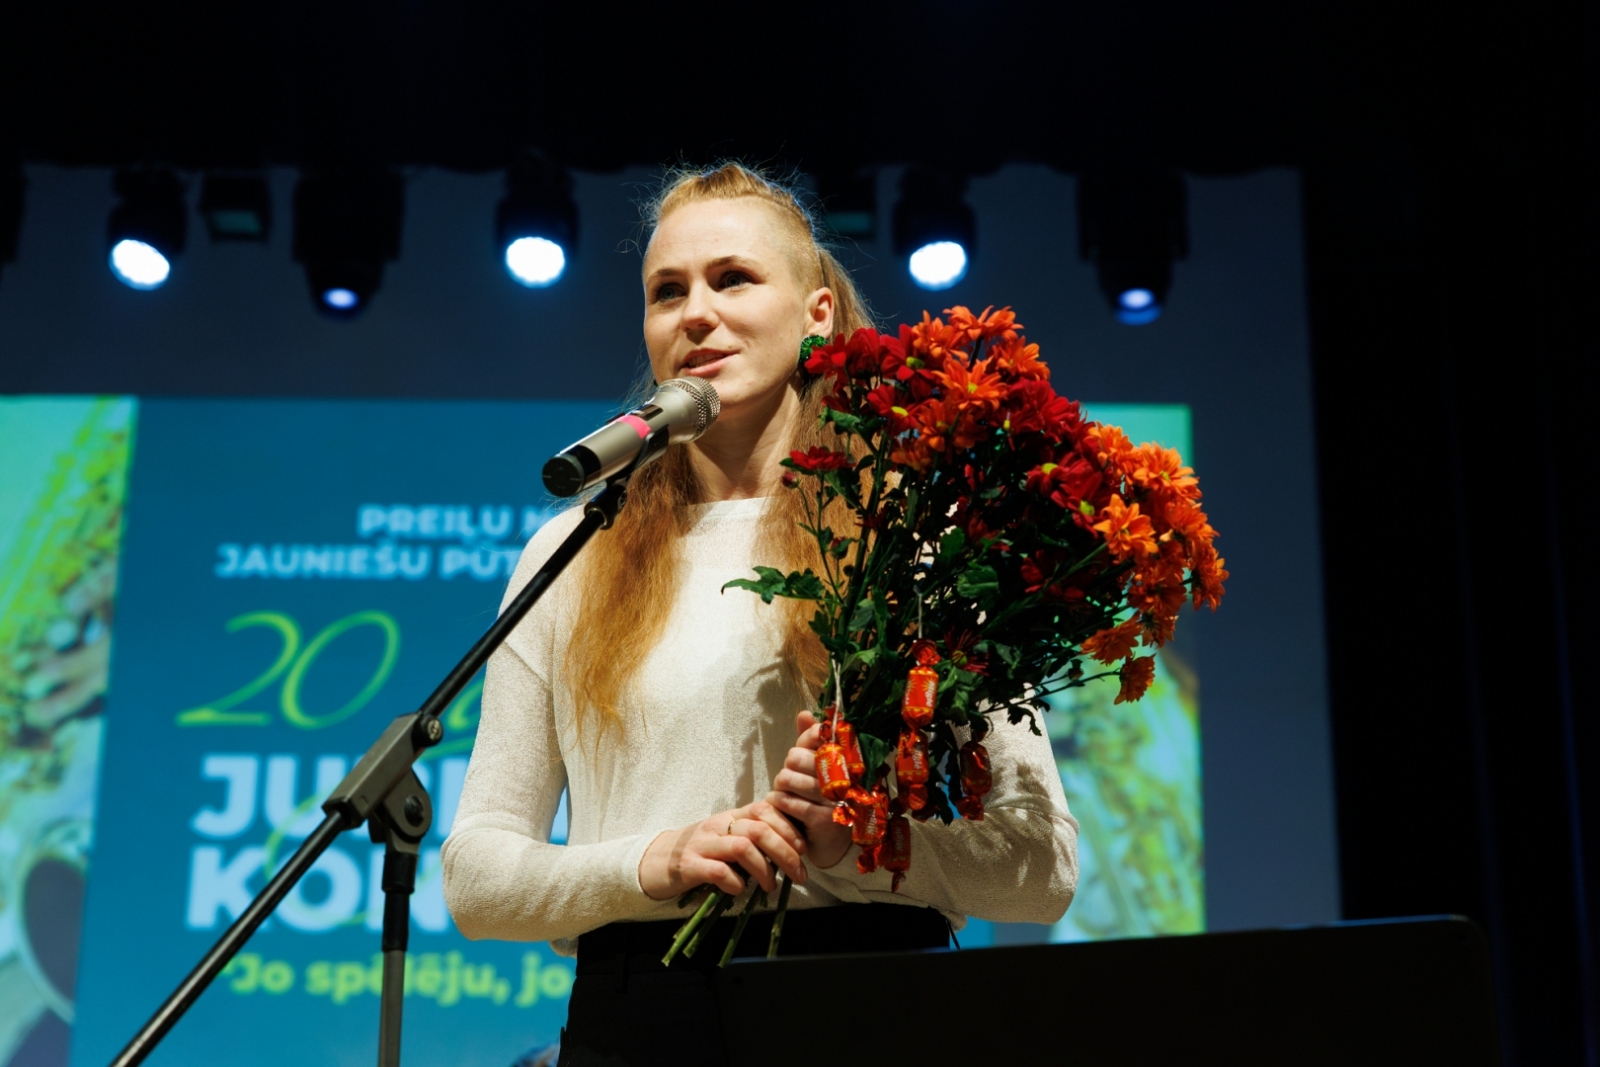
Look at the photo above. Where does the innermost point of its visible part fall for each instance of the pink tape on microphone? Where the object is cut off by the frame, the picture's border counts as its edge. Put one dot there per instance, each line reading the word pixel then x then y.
pixel 640 427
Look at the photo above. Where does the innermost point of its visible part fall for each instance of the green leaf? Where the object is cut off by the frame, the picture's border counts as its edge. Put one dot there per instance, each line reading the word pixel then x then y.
pixel 880 613
pixel 795 585
pixel 980 582
pixel 861 616
pixel 864 658
pixel 951 544
pixel 874 751
pixel 846 422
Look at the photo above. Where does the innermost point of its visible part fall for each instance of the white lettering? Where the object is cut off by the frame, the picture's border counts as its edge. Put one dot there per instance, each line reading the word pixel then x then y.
pixel 228 566
pixel 339 904
pixel 255 561
pixel 238 809
pixel 414 562
pixel 285 561
pixel 213 885
pixel 299 818
pixel 494 522
pixel 452 561
pixel 370 518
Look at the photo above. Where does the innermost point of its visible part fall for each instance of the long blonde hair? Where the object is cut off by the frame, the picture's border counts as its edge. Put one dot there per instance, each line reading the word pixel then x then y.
pixel 631 573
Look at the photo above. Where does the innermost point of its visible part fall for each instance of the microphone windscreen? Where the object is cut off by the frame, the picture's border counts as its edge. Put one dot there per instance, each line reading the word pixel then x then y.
pixel 705 404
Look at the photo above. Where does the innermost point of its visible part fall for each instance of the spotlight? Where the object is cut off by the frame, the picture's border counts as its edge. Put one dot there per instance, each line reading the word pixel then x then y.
pixel 346 227
pixel 536 224
pixel 849 203
pixel 12 184
pixel 1131 226
pixel 934 227
pixel 236 207
pixel 147 227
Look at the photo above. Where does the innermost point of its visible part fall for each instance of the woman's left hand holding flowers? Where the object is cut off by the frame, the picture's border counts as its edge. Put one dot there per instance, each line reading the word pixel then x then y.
pixel 795 793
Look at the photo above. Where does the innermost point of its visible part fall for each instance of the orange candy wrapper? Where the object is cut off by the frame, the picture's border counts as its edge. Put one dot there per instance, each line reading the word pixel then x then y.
pixel 833 771
pixel 895 853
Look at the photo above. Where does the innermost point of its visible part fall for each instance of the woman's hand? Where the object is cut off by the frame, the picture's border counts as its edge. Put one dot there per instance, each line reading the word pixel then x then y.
pixel 795 793
pixel 755 837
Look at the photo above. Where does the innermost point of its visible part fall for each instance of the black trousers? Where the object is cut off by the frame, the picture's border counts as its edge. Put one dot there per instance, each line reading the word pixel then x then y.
pixel 629 1011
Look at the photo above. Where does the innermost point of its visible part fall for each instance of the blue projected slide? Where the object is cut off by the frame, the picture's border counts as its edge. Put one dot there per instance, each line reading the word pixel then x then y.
pixel 293 576
pixel 209 609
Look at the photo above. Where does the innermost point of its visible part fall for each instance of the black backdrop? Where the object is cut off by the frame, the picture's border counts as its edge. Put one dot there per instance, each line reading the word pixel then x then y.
pixel 1450 175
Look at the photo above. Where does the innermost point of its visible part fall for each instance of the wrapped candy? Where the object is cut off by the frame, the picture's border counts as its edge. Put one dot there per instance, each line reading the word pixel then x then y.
pixel 976 780
pixel 833 771
pixel 871 811
pixel 911 759
pixel 846 737
pixel 975 777
pixel 911 769
pixel 922 687
pixel 895 853
pixel 970 808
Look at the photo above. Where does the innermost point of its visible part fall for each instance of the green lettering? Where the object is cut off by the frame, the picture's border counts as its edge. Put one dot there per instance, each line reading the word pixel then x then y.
pixel 451 993
pixel 529 993
pixel 319 978
pixel 277 977
pixel 349 980
pixel 246 970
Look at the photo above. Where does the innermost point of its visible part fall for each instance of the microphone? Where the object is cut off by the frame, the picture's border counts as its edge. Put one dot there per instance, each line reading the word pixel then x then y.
pixel 680 411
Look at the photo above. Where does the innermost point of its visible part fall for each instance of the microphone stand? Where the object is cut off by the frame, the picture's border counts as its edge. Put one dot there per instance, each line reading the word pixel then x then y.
pixel 383 791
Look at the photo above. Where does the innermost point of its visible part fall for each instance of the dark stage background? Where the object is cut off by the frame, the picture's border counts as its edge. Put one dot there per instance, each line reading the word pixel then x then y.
pixel 1446 176
pixel 236 322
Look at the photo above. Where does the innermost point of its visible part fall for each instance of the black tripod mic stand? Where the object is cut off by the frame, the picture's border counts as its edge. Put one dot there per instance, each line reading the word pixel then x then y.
pixel 383 791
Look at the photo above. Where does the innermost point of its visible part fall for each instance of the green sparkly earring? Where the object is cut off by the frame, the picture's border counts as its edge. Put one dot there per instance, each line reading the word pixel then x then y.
pixel 809 345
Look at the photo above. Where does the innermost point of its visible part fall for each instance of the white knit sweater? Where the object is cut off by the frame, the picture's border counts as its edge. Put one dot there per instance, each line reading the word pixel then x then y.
pixel 712 722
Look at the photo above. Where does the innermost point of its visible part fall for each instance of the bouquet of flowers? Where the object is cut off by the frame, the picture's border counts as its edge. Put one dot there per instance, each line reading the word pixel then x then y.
pixel 983 547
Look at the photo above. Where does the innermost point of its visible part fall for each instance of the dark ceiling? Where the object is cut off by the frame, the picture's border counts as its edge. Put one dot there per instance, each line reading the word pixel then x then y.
pixel 1213 88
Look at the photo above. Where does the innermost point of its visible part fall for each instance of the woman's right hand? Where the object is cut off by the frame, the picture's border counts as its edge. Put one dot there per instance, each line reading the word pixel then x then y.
pixel 755 837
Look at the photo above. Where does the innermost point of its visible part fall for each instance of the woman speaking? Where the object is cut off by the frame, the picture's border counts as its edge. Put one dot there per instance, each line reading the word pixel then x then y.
pixel 672 714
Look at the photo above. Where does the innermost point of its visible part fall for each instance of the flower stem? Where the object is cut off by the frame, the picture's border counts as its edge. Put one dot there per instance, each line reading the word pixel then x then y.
pixel 688 928
pixel 724 901
pixel 758 899
pixel 777 920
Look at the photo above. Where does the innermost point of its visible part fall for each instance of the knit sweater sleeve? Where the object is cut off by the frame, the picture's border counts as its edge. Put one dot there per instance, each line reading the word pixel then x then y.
pixel 502 876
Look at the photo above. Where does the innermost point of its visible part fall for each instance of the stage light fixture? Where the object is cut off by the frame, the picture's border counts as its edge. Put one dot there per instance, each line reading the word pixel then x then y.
pixel 236 207
pixel 849 202
pixel 147 227
pixel 934 227
pixel 346 227
pixel 1131 226
pixel 12 184
pixel 536 223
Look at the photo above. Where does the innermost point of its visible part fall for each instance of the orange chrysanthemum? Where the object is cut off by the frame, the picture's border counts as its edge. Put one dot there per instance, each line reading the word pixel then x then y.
pixel 1109 445
pixel 1113 643
pixel 1185 517
pixel 1209 574
pixel 985 326
pixel 1154 467
pixel 1127 532
pixel 936 342
pixel 1159 595
pixel 973 386
pixel 1137 674
pixel 1020 360
pixel 1158 629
